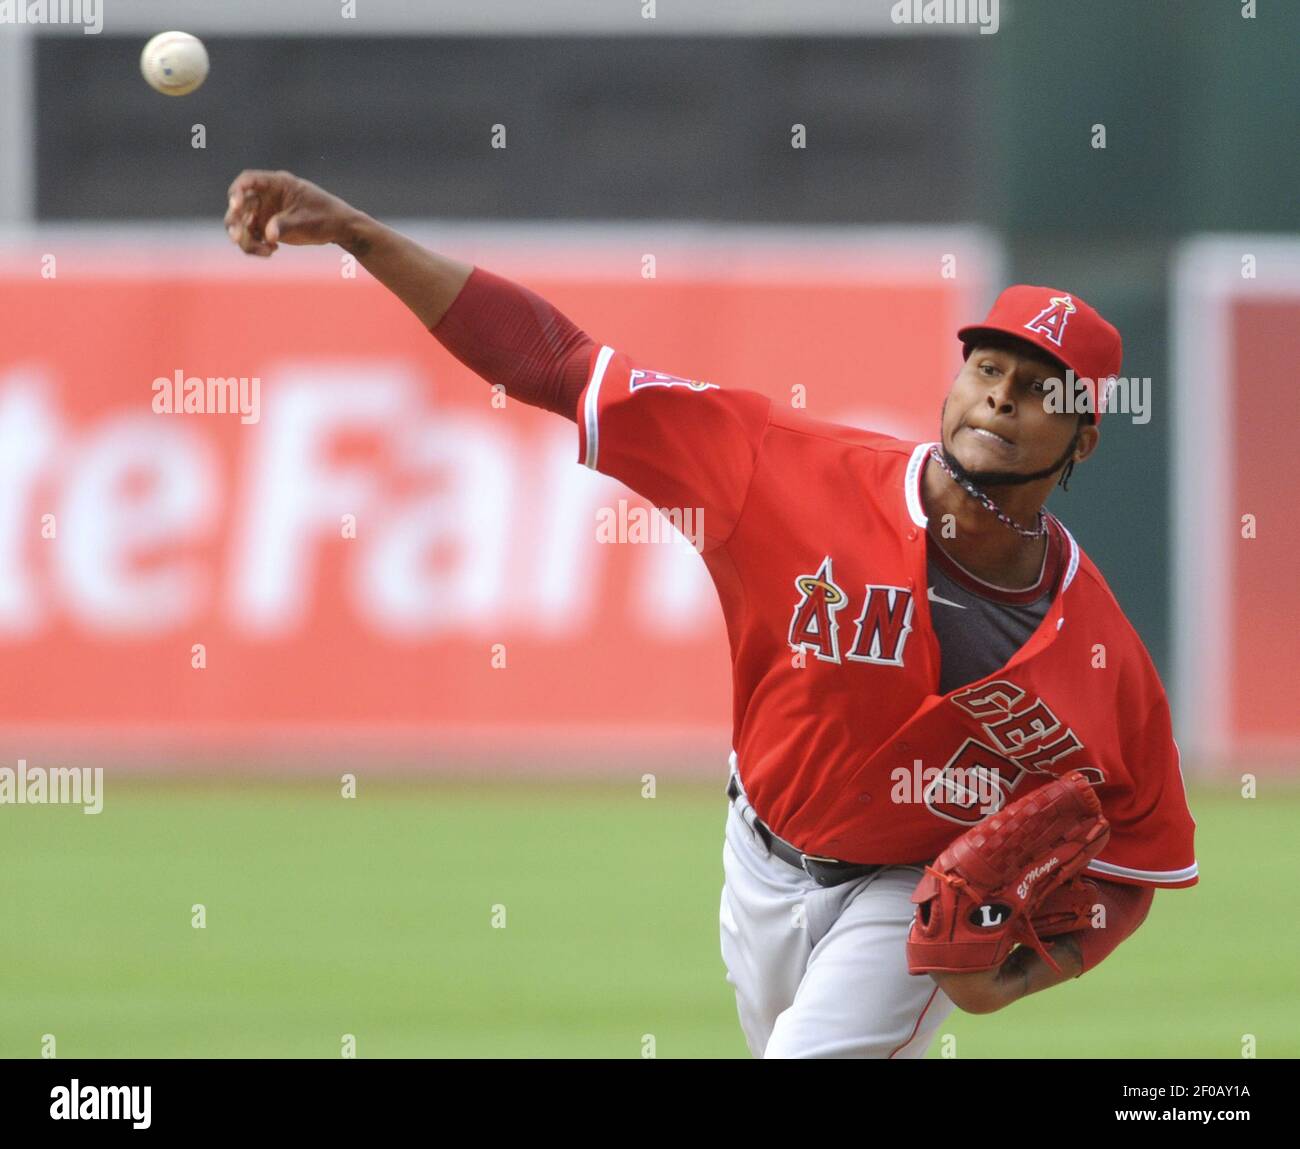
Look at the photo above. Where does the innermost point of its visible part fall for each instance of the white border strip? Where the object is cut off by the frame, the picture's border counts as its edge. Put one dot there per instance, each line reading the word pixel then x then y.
pixel 591 406
pixel 17 126
pixel 513 17
pixel 1073 567
pixel 1165 876
pixel 1206 279
pixel 200 248
pixel 912 484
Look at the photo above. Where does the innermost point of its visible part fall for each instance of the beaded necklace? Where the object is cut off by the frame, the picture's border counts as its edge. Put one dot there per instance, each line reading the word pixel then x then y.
pixel 980 497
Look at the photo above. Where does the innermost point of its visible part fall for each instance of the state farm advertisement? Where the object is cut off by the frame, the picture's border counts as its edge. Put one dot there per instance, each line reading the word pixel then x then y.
pixel 251 509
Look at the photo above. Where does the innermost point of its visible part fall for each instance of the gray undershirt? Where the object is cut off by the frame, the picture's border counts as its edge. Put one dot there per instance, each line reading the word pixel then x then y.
pixel 977 635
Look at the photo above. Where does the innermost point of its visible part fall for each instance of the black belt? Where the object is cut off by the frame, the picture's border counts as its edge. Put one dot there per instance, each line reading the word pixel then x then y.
pixel 823 871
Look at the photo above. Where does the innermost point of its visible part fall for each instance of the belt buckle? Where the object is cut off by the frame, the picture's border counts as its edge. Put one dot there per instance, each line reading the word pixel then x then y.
pixel 804 859
pixel 838 871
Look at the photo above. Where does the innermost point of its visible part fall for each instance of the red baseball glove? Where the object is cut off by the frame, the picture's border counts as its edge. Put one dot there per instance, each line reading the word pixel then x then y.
pixel 1010 879
pixel 1067 908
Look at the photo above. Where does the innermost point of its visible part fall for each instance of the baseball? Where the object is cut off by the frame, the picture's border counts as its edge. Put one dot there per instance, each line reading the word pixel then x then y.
pixel 174 63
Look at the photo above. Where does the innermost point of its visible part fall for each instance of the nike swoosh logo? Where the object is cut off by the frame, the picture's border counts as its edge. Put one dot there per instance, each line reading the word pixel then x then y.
pixel 935 598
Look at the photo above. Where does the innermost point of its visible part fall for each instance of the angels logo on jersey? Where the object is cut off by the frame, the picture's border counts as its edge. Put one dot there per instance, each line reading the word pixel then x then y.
pixel 640 379
pixel 880 630
pixel 1021 736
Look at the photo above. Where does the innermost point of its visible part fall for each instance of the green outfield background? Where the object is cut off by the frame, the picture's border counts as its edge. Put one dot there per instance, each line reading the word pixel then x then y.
pixel 373 916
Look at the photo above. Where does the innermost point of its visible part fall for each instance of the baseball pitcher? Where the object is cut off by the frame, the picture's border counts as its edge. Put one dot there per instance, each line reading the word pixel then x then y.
pixel 953 780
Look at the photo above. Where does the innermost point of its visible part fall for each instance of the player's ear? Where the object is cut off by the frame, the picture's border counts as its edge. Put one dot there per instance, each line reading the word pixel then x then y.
pixel 1089 438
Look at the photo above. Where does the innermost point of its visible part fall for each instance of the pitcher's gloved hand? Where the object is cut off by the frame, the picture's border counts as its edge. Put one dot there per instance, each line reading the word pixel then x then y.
pixel 1008 877
pixel 1067 908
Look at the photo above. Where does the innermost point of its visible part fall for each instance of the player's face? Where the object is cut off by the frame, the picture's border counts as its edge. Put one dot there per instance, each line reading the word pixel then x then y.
pixel 996 418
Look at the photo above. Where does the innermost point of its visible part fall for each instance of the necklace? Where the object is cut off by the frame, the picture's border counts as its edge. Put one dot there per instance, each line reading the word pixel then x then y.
pixel 988 504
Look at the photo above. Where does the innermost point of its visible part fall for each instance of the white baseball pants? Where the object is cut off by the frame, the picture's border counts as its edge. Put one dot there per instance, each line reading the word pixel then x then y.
pixel 821 972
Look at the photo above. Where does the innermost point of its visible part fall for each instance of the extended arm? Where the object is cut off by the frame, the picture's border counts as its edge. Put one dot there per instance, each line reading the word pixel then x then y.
pixel 500 330
pixel 428 283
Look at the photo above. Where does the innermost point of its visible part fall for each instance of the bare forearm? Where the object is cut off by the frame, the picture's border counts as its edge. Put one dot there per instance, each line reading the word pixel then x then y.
pixel 426 282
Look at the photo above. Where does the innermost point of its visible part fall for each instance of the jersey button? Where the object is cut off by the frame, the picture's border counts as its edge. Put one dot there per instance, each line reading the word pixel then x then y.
pixel 911 535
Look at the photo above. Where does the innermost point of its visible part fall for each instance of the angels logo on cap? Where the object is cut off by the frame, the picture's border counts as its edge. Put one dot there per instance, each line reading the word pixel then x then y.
pixel 1052 319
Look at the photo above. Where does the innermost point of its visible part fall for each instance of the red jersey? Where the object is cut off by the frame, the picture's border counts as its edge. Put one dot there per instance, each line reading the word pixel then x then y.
pixel 815 537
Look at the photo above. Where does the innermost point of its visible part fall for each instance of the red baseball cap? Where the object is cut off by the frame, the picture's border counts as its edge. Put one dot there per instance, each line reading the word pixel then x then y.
pixel 1065 327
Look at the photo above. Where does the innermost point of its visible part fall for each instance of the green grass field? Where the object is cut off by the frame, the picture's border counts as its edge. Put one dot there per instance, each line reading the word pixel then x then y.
pixel 374 917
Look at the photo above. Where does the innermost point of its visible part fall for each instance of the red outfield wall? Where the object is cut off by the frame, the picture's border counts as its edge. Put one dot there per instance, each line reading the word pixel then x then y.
pixel 357 562
pixel 1236 339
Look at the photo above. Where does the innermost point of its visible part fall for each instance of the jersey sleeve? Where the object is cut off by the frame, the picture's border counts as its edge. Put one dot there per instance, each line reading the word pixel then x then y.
pixel 680 443
pixel 1152 828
